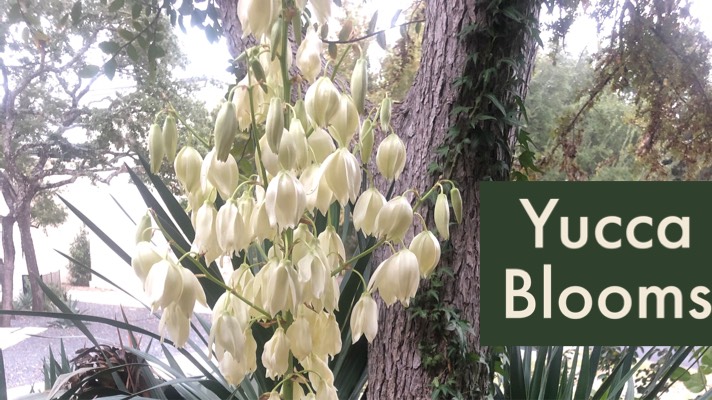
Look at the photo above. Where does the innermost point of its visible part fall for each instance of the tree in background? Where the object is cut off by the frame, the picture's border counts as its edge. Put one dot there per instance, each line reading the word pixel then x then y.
pixel 80 251
pixel 605 138
pixel 54 127
pixel 657 60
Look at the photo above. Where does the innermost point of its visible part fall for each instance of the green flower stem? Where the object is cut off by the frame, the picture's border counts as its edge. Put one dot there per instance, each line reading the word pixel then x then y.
pixel 341 60
pixel 253 129
pixel 193 133
pixel 283 60
pixel 358 257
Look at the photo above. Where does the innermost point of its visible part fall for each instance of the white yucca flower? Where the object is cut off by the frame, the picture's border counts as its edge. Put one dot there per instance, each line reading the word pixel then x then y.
pixel 275 356
pixel 343 175
pixel 366 210
pixel 397 278
pixel 364 319
pixel 309 55
pixel 285 201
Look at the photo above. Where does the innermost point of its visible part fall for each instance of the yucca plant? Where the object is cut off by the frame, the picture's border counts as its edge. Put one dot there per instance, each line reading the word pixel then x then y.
pixel 572 373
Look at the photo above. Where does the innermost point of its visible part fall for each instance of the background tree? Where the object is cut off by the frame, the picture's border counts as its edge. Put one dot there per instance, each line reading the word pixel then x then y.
pixel 80 250
pixel 53 128
pixel 605 138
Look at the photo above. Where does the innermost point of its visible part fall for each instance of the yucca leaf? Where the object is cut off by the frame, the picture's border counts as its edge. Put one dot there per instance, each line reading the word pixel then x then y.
pixel 173 206
pixel 104 237
pixel 553 373
pixel 515 387
pixel 621 368
pixel 539 373
pixel 667 370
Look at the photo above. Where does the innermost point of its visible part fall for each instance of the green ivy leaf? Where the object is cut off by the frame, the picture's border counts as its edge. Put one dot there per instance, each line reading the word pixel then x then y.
pixel 110 68
pixel 116 5
pixel 76 12
pixel 89 71
pixel 136 10
pixel 126 34
pixel 132 52
pixel 109 47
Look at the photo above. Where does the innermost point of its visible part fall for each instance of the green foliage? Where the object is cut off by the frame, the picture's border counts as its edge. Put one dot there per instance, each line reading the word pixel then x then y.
pixel 46 212
pixel 657 61
pixel 444 350
pixel 79 250
pixel 603 146
pixel 555 372
pixel 52 367
pixel 23 301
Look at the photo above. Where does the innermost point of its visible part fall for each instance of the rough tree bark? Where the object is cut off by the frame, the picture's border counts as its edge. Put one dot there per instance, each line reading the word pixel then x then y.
pixel 422 121
pixel 24 223
pixel 8 267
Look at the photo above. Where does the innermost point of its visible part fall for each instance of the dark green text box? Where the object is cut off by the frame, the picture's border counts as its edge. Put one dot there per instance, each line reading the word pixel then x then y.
pixel 683 274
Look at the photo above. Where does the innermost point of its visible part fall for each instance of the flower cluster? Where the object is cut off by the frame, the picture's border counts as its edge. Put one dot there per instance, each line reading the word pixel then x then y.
pixel 307 164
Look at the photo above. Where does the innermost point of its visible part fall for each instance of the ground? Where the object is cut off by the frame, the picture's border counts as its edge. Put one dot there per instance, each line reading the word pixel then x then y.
pixel 27 342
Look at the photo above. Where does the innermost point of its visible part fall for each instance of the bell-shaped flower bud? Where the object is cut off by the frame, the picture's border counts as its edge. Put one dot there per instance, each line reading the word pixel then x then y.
pixel 192 292
pixel 385 113
pixel 394 219
pixel 268 158
pixel 359 83
pixel 241 99
pixel 230 228
pixel 261 227
pixel 294 149
pixel 330 242
pixel 156 149
pixel 222 175
pixel 164 284
pixel 245 205
pixel 322 101
pixel 300 338
pixel 366 210
pixel 364 319
pixel 225 130
pixel 319 196
pixel 145 255
pixel 390 157
pixel 175 325
pixel 206 239
pixel 343 175
pixel 257 16
pixel 283 287
pixel 300 112
pixel 232 369
pixel 274 126
pixel 275 356
pixel 227 336
pixel 345 121
pixel 309 55
pixel 170 137
pixel 329 337
pixel 187 166
pixel 456 201
pixel 144 229
pixel 397 278
pixel 366 140
pixel 313 273
pixel 285 201
pixel 322 10
pixel 442 216
pixel 426 248
pixel 321 145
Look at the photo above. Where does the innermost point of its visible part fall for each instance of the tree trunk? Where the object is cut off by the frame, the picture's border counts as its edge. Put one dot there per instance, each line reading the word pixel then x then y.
pixel 396 369
pixel 24 222
pixel 8 267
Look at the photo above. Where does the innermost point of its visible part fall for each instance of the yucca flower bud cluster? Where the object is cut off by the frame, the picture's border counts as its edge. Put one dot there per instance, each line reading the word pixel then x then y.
pixel 312 162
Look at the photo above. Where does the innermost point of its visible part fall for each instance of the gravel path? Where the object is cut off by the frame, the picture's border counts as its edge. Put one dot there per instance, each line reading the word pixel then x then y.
pixel 23 361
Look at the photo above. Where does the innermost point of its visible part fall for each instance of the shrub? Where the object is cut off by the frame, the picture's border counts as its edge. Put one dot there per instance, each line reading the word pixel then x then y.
pixel 79 274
